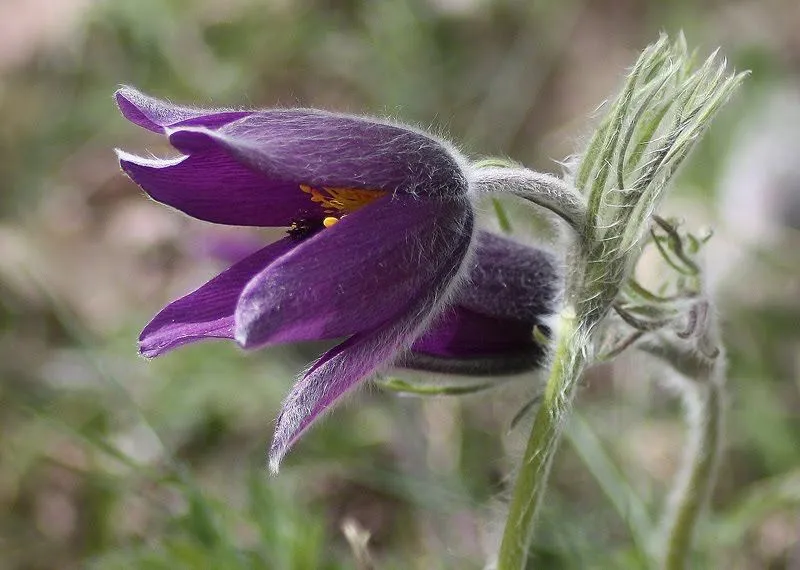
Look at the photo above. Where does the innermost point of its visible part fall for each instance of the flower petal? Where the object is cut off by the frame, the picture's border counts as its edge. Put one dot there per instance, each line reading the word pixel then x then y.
pixel 355 275
pixel 157 115
pixel 489 329
pixel 210 185
pixel 362 355
pixel 208 311
pixel 509 280
pixel 308 146
pixel 250 172
pixel 462 341
pixel 462 333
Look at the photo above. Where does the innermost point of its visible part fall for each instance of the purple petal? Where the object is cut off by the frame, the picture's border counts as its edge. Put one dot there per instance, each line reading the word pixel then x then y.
pixel 355 275
pixel 208 311
pixel 462 333
pixel 462 341
pixel 489 330
pixel 250 172
pixel 322 149
pixel 157 115
pixel 212 186
pixel 359 357
pixel 510 280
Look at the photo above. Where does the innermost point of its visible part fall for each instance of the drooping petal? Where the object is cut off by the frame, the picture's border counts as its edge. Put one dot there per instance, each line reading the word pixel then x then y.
pixel 208 311
pixel 251 171
pixel 510 280
pixel 488 330
pixel 306 146
pixel 157 115
pixel 211 185
pixel 462 333
pixel 362 355
pixel 355 275
pixel 462 341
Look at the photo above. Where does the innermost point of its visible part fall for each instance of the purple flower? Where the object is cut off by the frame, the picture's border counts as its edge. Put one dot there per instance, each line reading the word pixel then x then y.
pixel 380 235
pixel 487 329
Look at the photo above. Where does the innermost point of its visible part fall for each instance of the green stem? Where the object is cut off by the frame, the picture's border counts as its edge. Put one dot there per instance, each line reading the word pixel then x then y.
pixel 705 411
pixel 569 360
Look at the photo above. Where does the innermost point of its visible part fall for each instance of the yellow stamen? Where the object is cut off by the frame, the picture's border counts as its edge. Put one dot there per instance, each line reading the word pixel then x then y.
pixel 341 200
pixel 329 221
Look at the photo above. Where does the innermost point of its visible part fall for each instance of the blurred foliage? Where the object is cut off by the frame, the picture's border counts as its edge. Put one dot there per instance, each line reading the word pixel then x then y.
pixel 107 461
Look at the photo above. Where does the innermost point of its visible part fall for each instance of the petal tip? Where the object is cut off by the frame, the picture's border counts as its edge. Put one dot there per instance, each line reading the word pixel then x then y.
pixel 274 463
pixel 281 442
pixel 147 353
pixel 149 347
pixel 138 108
pixel 126 95
pixel 134 165
pixel 159 115
pixel 125 158
pixel 240 332
pixel 246 341
pixel 146 347
pixel 245 320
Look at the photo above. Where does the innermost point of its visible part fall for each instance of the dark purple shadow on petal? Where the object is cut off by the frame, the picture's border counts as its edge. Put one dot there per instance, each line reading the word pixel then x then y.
pixel 208 311
pixel 359 357
pixel 325 149
pixel 157 115
pixel 468 343
pixel 462 333
pixel 210 185
pixel 511 281
pixel 353 276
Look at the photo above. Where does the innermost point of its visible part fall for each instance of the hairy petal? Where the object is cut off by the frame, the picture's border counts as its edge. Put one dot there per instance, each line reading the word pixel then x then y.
pixel 211 185
pixel 208 311
pixel 250 171
pixel 158 115
pixel 325 149
pixel 360 356
pixel 462 341
pixel 356 275
pixel 508 280
pixel 488 330
pixel 462 333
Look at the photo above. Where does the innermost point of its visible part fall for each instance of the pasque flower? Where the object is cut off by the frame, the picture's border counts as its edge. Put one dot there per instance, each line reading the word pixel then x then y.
pixel 380 235
pixel 487 329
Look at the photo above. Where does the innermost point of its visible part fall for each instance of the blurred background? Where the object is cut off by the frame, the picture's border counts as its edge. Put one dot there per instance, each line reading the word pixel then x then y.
pixel 109 461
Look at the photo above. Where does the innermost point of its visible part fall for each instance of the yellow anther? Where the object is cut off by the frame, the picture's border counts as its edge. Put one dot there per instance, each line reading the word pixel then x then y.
pixel 341 200
pixel 329 221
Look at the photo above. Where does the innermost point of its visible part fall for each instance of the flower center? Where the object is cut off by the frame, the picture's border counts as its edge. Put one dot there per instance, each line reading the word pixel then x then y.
pixel 340 201
pixel 336 203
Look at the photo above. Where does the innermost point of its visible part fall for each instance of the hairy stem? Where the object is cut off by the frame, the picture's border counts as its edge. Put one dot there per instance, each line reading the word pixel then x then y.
pixel 665 104
pixel 541 189
pixel 704 403
pixel 570 358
